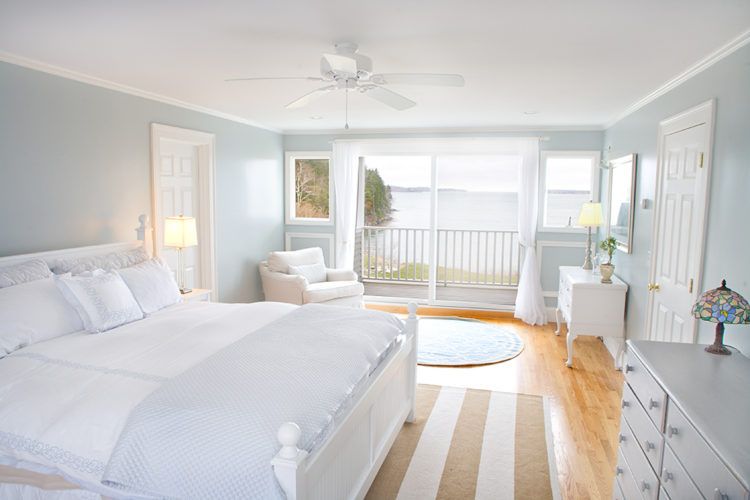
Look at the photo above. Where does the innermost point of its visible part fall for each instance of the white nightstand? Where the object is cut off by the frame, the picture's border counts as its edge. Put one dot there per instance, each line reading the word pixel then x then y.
pixel 198 295
pixel 591 308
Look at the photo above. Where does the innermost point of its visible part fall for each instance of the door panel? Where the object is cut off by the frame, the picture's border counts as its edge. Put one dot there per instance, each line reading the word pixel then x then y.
pixel 679 231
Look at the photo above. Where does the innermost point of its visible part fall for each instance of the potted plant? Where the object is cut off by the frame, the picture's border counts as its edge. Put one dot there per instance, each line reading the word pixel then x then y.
pixel 608 245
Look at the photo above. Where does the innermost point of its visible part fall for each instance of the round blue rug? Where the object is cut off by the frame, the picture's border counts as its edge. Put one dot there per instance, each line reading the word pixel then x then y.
pixel 464 342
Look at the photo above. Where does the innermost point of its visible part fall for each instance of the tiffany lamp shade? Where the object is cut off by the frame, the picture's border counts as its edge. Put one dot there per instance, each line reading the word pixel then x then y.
pixel 721 305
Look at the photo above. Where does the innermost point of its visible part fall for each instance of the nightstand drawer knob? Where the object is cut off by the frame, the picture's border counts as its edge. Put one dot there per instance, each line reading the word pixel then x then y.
pixel 645 486
pixel 625 403
pixel 618 471
pixel 671 431
pixel 620 438
pixel 718 495
pixel 628 368
pixel 667 476
pixel 649 445
pixel 652 404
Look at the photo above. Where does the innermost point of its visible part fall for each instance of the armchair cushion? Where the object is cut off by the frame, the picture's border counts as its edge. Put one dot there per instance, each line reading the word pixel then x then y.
pixel 280 261
pixel 330 290
pixel 341 275
pixel 315 273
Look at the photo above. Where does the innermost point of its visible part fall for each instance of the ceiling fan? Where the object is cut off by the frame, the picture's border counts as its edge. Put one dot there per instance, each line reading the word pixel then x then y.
pixel 349 70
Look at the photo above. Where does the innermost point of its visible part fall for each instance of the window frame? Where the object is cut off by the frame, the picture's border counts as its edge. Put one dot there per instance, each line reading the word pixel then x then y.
pixel 594 156
pixel 290 216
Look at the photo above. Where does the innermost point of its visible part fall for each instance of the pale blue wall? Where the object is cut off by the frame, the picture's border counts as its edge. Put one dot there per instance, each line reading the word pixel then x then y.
pixel 75 170
pixel 728 236
pixel 552 256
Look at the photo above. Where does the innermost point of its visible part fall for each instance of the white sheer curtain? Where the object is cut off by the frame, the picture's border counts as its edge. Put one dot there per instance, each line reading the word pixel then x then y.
pixel 529 300
pixel 345 178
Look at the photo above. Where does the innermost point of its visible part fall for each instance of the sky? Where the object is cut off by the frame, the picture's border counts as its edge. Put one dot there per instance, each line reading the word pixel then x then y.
pixel 475 172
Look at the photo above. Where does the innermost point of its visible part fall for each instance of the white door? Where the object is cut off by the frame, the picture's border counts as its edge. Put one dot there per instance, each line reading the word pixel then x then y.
pixel 679 226
pixel 179 195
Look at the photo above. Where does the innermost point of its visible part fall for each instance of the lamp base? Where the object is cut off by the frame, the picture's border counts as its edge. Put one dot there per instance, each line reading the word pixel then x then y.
pixel 718 346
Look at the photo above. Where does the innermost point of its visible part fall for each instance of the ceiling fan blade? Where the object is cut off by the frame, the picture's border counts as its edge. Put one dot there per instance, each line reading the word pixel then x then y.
pixel 313 78
pixel 388 97
pixel 305 99
pixel 436 79
pixel 341 64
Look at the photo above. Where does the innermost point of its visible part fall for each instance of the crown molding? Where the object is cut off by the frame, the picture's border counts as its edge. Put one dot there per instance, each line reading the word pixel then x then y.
pixel 702 65
pixel 468 131
pixel 107 84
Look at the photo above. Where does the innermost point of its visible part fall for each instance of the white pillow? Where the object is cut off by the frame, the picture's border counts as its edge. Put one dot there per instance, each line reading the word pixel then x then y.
pixel 315 273
pixel 32 270
pixel 108 262
pixel 152 284
pixel 103 301
pixel 32 312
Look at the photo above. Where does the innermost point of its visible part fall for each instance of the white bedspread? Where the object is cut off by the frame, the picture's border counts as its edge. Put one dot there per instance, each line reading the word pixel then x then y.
pixel 64 402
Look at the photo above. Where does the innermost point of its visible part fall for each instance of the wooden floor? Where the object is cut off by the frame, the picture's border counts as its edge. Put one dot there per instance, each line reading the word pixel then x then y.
pixel 584 399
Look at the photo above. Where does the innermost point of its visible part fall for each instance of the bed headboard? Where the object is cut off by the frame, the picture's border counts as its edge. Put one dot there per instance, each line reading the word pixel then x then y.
pixel 143 232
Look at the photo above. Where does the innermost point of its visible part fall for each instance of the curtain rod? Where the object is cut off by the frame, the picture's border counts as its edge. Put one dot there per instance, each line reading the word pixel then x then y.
pixel 542 138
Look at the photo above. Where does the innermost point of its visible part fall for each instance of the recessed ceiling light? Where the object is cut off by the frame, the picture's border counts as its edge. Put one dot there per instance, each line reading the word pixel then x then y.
pixel 316 117
pixel 530 112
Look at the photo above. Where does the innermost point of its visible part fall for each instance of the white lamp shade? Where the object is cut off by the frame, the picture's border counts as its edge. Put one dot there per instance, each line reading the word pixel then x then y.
pixel 591 215
pixel 180 232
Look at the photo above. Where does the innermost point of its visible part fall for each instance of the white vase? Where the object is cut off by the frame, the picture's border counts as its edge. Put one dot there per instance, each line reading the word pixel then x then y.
pixel 606 270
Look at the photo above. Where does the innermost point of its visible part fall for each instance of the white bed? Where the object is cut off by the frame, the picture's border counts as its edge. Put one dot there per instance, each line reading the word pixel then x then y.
pixel 64 401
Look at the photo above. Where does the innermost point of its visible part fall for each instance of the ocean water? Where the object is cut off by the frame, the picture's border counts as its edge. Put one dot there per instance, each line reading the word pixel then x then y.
pixel 456 210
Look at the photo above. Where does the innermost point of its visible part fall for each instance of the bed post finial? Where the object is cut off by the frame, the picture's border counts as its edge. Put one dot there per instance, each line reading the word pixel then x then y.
pixel 288 464
pixel 144 233
pixel 412 327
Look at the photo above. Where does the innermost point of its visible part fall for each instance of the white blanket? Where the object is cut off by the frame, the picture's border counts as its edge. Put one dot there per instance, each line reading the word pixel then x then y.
pixel 64 402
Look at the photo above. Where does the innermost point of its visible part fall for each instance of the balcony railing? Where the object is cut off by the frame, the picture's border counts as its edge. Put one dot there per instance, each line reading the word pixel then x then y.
pixel 464 257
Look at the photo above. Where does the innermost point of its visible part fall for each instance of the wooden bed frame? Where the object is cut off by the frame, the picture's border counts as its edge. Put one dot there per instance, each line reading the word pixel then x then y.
pixel 345 466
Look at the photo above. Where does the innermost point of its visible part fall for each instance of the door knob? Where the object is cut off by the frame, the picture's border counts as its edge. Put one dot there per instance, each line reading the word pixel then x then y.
pixel 653 286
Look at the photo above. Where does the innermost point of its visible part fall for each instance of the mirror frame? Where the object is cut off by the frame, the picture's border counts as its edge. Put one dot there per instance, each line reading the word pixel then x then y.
pixel 625 166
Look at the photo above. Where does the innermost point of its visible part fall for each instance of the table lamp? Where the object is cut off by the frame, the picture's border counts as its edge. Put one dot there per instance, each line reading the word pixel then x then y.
pixel 180 232
pixel 721 305
pixel 591 216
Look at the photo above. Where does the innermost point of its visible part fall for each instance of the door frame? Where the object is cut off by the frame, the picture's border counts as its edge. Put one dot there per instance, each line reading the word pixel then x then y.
pixel 703 113
pixel 206 144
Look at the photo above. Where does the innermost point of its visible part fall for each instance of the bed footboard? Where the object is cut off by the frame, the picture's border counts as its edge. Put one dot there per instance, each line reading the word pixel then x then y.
pixel 347 464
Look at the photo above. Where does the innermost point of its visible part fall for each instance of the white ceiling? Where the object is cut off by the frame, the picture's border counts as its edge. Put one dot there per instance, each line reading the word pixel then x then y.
pixel 577 63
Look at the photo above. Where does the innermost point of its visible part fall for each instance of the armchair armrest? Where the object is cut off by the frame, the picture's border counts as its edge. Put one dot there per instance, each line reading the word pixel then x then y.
pixel 341 275
pixel 281 287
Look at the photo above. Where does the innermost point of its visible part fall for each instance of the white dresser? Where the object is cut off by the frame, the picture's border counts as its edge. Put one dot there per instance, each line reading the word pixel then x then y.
pixel 685 426
pixel 590 307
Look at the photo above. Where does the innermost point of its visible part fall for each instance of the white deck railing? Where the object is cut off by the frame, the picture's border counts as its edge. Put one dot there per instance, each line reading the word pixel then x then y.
pixel 464 256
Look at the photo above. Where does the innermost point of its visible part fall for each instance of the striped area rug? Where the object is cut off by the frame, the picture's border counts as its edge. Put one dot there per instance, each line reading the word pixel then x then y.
pixel 471 443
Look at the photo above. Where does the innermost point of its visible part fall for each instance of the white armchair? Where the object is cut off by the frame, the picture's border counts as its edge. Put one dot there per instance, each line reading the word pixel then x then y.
pixel 313 282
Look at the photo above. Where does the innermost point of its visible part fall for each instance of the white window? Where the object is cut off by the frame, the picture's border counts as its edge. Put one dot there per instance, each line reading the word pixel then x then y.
pixel 567 180
pixel 309 186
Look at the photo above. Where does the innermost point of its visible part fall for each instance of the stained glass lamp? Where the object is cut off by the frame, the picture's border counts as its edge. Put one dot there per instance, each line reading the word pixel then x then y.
pixel 721 305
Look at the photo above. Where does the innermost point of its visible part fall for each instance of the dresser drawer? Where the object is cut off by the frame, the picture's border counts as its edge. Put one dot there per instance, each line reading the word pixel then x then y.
pixel 645 478
pixel 624 479
pixel 708 472
pixel 647 390
pixel 675 480
pixel 645 433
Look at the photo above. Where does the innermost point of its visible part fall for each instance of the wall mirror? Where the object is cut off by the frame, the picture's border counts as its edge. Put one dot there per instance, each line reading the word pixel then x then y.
pixel 621 198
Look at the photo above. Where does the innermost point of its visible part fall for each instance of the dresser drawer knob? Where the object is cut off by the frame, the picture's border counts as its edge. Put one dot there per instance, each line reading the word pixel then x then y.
pixel 671 431
pixel 718 495
pixel 625 403
pixel 628 368
pixel 618 471
pixel 620 438
pixel 645 486
pixel 652 404
pixel 667 476
pixel 649 445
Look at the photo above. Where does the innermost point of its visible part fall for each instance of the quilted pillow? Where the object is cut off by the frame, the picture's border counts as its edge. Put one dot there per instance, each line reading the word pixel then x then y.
pixel 32 270
pixel 315 273
pixel 152 284
pixel 103 301
pixel 108 262
pixel 32 312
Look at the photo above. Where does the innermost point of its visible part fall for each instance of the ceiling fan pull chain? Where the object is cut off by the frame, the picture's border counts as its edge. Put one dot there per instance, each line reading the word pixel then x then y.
pixel 346 93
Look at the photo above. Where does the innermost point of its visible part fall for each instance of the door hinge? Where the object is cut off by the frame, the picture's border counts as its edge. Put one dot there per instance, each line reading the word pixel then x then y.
pixel 691 286
pixel 700 162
